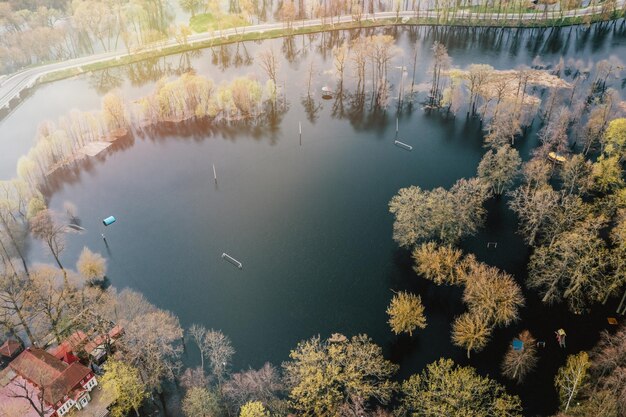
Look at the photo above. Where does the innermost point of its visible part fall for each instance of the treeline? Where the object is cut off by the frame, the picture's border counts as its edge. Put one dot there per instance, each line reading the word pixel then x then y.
pixel 338 376
pixel 570 205
pixel 188 97
pixel 38 32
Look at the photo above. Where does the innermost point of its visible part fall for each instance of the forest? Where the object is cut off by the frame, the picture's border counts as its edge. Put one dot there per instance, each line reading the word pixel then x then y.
pixel 38 32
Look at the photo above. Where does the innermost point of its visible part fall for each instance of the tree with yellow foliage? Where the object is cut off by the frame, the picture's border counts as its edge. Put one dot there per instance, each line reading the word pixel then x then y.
pixel 253 409
pixel 324 375
pixel 406 313
pixel 122 383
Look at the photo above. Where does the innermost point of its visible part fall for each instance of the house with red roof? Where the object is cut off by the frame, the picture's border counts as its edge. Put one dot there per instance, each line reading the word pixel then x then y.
pixel 57 385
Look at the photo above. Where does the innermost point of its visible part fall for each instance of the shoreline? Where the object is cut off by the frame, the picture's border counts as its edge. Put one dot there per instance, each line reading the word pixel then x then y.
pixel 451 19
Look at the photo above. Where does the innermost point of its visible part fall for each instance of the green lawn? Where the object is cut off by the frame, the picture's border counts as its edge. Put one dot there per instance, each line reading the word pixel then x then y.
pixel 206 21
pixel 504 9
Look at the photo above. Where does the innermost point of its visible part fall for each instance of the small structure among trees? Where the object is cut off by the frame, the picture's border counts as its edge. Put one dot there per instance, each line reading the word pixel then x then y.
pixel 521 358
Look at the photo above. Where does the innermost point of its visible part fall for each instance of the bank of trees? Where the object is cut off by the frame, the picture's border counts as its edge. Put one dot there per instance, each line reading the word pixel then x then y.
pixel 443 215
pixel 34 33
pixel 188 97
pixel 492 296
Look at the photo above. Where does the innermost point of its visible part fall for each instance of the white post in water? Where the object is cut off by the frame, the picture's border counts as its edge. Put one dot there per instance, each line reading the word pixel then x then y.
pixel 300 130
pixel 214 174
pixel 396 125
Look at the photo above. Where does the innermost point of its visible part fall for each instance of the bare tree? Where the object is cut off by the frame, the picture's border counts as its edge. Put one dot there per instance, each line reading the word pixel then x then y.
pixel 519 363
pixel 16 310
pixel 194 378
pixel 492 294
pixel 198 333
pixel 220 352
pixel 573 268
pixel 269 63
pixel 500 168
pixel 571 378
pixel 437 263
pixel 44 226
pixel 152 344
pixel 471 331
pixel 20 388
pixel 263 385
pixel 441 63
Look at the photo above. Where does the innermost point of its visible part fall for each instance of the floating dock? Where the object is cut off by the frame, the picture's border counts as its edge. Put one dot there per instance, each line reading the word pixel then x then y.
pixel 403 145
pixel 232 260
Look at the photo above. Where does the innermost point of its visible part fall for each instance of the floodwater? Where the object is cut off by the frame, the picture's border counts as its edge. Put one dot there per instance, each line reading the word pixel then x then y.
pixel 308 216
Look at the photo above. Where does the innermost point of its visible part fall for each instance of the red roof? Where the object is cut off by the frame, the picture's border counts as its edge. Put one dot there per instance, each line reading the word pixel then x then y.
pixel 66 382
pixel 116 332
pixel 54 377
pixel 10 348
pixel 102 339
pixel 38 366
pixel 70 345
pixel 97 341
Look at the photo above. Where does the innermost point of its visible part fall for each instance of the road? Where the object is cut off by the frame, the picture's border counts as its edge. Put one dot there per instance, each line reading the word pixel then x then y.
pixel 12 86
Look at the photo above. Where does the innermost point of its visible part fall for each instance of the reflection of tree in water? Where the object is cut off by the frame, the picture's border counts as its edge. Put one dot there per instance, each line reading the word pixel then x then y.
pixel 220 56
pixel 184 61
pixel 148 70
pixel 311 108
pixel 266 126
pixel 234 7
pixel 106 80
pixel 289 49
pixel 242 57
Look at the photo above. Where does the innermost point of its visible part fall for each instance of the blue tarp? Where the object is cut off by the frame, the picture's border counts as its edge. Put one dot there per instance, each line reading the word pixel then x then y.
pixel 518 344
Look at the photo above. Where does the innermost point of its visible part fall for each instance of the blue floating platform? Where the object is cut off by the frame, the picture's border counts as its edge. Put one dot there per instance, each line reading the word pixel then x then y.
pixel 108 221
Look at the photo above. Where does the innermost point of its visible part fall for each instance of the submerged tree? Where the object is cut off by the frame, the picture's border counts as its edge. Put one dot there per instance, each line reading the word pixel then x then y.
pixel 576 175
pixel 614 139
pixel 406 313
pixel 201 402
pixel 471 331
pixel 608 367
pixel 571 378
pixel 324 375
pixel 439 214
pixel 534 208
pixel 219 351
pixel 437 263
pixel 607 174
pixel 441 63
pixel 254 409
pixel 499 168
pixel 122 383
pixel 92 266
pixel 573 268
pixel 44 226
pixel 492 295
pixel 519 363
pixel 446 389
pixel 263 385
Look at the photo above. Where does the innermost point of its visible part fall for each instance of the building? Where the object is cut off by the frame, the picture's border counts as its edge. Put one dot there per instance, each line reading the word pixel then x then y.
pixel 51 381
pixel 9 351
pixel 93 350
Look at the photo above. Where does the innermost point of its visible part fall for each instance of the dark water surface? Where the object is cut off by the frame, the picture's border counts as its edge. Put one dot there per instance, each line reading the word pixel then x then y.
pixel 308 221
